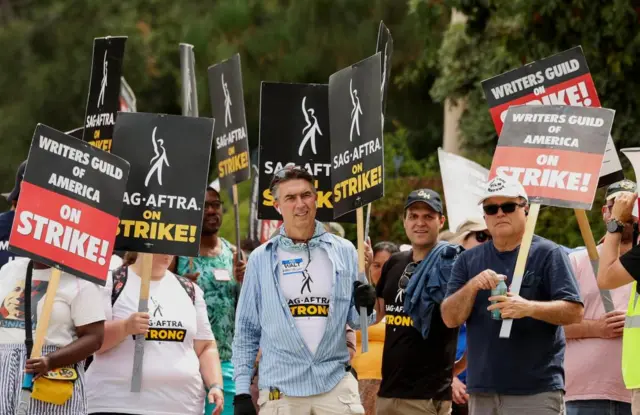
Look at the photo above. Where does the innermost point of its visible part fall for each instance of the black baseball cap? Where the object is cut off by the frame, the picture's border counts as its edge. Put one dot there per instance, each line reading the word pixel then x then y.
pixel 427 196
pixel 621 186
pixel 15 193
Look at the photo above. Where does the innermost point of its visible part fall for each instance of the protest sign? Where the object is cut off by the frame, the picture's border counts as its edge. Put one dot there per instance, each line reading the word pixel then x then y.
pixel 463 182
pixel 561 79
pixel 555 151
pixel 163 204
pixel 70 200
pixel 104 91
pixel 231 140
pixel 127 104
pixel 294 130
pixel 357 158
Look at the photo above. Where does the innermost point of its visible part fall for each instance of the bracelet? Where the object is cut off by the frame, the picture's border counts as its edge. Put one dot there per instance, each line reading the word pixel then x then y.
pixel 216 386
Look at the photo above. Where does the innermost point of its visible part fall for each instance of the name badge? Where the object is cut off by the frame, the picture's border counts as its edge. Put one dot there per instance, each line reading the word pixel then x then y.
pixel 221 275
pixel 292 266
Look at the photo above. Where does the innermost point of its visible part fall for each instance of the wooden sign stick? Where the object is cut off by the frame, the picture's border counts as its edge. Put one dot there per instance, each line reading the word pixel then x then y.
pixel 236 213
pixel 590 243
pixel 41 332
pixel 143 307
pixel 364 334
pixel 47 307
pixel 521 262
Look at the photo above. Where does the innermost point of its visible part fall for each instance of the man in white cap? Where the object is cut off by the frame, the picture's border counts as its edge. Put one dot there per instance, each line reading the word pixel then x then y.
pixel 523 374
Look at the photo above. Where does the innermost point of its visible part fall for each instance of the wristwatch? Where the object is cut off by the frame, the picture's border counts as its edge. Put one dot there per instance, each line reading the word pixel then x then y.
pixel 216 386
pixel 615 226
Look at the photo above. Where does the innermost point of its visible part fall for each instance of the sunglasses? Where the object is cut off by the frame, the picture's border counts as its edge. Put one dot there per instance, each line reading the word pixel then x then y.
pixel 406 275
pixel 282 174
pixel 481 237
pixel 508 207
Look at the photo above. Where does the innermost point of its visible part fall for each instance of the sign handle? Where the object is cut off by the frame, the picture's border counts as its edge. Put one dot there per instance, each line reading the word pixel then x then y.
pixel 236 213
pixel 47 307
pixel 143 306
pixel 41 332
pixel 364 334
pixel 367 222
pixel 590 243
pixel 521 262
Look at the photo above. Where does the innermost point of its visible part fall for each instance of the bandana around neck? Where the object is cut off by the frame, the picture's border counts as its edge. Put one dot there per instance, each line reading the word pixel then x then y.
pixel 287 243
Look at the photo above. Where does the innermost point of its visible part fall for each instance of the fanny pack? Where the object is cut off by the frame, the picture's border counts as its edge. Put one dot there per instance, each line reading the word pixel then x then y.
pixel 56 386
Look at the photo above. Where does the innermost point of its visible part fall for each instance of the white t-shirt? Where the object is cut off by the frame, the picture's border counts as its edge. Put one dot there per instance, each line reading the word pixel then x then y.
pixel 171 380
pixel 77 303
pixel 308 293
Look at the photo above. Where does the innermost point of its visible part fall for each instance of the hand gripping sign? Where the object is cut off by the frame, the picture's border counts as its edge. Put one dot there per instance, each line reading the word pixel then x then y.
pixel 294 130
pixel 556 152
pixel 67 217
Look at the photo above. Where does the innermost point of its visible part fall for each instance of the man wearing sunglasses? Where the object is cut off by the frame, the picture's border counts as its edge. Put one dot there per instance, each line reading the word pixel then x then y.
pixel 416 371
pixel 524 373
pixel 300 291
pixel 598 388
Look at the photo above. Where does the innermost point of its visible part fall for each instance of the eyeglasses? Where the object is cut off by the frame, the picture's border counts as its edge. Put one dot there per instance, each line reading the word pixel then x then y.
pixel 481 237
pixel 508 207
pixel 406 275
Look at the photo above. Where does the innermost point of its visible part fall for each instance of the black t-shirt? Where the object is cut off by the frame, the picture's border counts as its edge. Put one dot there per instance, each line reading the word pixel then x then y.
pixel 531 360
pixel 413 367
pixel 631 262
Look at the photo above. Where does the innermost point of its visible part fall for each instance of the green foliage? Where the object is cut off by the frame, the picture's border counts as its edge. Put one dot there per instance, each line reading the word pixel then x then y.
pixel 46 56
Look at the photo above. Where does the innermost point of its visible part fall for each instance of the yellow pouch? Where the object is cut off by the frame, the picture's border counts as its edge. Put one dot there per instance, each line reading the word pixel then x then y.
pixel 55 387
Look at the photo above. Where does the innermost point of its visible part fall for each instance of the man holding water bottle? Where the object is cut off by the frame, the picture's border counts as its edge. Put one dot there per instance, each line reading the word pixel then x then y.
pixel 524 373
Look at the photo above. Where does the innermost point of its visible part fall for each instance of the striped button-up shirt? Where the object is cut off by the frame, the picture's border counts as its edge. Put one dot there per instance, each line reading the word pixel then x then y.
pixel 263 320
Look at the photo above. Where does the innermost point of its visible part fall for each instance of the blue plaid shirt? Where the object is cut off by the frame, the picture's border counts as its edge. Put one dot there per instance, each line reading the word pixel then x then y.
pixel 263 320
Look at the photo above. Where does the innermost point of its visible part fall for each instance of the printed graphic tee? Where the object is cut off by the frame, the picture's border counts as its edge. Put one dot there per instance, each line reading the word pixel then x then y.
pixel 219 288
pixel 77 303
pixel 307 287
pixel 412 367
pixel 171 380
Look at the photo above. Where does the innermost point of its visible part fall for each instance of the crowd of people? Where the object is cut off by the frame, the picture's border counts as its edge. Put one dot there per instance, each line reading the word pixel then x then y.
pixel 276 329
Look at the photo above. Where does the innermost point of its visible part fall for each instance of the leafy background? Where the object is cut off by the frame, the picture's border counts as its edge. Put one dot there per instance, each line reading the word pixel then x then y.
pixel 46 57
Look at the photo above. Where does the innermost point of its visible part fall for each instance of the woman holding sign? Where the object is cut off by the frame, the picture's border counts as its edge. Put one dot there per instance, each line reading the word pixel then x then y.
pixel 180 353
pixel 76 328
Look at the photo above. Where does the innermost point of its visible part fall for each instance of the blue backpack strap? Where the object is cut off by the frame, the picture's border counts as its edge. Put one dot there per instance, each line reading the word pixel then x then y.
pixel 119 278
pixel 188 286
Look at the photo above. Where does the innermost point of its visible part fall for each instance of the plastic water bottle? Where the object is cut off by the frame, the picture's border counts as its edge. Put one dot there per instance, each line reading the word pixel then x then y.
pixel 501 289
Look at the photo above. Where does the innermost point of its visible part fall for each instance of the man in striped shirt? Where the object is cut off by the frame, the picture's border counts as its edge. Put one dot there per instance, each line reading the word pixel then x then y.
pixel 299 292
